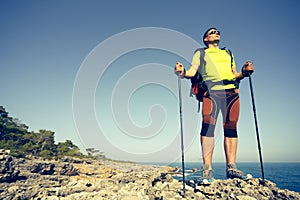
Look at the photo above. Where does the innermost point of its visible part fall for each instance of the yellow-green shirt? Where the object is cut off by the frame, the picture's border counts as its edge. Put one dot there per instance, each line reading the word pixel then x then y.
pixel 216 67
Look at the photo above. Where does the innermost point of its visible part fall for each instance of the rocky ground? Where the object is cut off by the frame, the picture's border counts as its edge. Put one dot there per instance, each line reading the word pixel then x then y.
pixel 72 178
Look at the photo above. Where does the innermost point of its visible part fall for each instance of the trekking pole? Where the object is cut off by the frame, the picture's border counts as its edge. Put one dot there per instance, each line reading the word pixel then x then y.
pixel 256 127
pixel 181 131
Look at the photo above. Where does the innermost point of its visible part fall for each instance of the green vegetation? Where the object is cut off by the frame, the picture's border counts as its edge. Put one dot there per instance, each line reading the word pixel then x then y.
pixel 14 136
pixel 94 153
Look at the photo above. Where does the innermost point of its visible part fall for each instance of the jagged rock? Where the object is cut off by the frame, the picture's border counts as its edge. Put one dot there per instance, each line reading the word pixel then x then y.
pixel 4 154
pixel 72 160
pixel 68 169
pixel 71 179
pixel 8 173
pixel 43 168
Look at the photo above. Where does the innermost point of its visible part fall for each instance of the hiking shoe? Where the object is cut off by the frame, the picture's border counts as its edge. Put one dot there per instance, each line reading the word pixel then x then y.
pixel 233 172
pixel 206 177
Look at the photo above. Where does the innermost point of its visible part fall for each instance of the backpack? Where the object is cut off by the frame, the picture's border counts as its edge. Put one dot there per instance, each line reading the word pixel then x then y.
pixel 198 86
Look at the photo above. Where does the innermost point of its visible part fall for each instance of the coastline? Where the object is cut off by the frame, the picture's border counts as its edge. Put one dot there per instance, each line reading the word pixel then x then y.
pixel 289 178
pixel 73 178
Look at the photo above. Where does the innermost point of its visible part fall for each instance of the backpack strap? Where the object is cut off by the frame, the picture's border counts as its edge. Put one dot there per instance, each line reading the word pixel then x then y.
pixel 236 81
pixel 198 77
pixel 202 54
pixel 197 80
pixel 230 53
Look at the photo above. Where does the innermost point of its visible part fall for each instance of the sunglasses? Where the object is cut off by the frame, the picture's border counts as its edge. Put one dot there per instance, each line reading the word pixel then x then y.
pixel 214 32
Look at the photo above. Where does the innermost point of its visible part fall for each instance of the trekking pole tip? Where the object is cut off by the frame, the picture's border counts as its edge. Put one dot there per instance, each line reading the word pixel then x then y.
pixel 262 181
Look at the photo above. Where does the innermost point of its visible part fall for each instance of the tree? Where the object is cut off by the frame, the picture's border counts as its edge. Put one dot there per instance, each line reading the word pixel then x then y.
pixel 11 132
pixel 14 136
pixel 67 148
pixel 94 153
pixel 46 144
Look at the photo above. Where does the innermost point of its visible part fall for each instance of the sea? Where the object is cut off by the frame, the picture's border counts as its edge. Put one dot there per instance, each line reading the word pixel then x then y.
pixel 285 175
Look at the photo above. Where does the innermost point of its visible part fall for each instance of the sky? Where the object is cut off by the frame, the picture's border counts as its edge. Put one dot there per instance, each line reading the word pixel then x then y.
pixel 100 73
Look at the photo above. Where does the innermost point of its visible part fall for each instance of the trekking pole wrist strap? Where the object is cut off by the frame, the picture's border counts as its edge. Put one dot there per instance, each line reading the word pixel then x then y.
pixel 246 73
pixel 184 72
pixel 241 76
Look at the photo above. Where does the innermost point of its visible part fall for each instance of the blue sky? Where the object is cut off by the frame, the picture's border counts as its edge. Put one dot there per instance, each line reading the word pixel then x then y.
pixel 46 46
